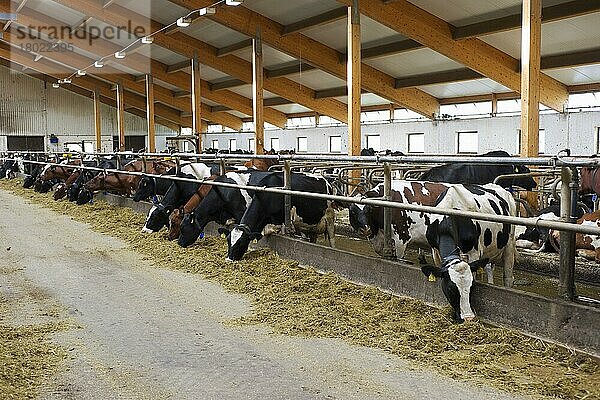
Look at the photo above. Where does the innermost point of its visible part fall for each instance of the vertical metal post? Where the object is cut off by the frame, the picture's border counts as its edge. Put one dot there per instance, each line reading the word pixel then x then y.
pixel 287 184
pixel 119 161
pixel 568 203
pixel 222 168
pixel 388 249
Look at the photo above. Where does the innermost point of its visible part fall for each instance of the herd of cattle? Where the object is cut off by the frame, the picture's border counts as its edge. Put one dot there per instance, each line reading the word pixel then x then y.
pixel 459 245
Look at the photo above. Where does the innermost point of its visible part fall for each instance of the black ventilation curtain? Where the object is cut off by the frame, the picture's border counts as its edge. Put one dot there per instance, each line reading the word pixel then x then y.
pixel 20 143
pixel 132 143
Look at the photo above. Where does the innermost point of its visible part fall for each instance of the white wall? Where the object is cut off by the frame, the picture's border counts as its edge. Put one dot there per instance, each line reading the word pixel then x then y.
pixel 30 107
pixel 574 130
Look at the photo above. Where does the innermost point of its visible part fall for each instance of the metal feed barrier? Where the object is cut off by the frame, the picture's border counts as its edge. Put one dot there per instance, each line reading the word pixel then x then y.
pixel 569 190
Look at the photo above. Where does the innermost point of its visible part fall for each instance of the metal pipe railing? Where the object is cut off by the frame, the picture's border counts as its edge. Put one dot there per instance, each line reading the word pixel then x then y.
pixel 555 161
pixel 535 222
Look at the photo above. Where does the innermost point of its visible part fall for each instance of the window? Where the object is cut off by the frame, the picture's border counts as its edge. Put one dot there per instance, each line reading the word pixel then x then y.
pixel 215 144
pixel 251 145
pixel 133 143
pixel 541 141
pixel 302 145
pixel 467 142
pixel 335 144
pixel 31 143
pixel 301 122
pixel 232 144
pixel 214 129
pixel 325 120
pixel 373 142
pixel 416 143
pixel 248 126
pixel 275 144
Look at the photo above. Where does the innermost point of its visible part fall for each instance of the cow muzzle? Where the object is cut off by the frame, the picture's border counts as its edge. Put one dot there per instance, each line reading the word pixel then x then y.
pixel 365 231
pixel 147 230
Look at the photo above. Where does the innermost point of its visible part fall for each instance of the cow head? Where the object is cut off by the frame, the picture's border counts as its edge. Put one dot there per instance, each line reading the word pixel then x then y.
pixel 238 241
pixel 145 188
pixel 28 182
pixel 359 215
pixel 73 191
pixel 189 230
pixel 60 192
pixel 175 220
pixel 157 218
pixel 84 196
pixel 457 278
pixel 526 182
pixel 97 183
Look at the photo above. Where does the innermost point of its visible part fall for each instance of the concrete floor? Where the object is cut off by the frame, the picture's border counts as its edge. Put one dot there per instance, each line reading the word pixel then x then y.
pixel 152 333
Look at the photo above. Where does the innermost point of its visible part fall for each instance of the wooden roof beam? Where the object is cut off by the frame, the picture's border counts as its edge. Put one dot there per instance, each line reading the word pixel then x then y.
pixel 325 18
pixel 163 95
pixel 550 13
pixel 424 27
pixel 186 45
pixel 326 58
pixel 232 48
pixel 144 65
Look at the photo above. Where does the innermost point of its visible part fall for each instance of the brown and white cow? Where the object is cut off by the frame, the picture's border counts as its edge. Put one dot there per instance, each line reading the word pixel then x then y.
pixel 588 246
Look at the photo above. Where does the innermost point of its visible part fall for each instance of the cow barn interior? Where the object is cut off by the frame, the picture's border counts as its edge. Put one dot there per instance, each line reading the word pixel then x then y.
pixel 306 199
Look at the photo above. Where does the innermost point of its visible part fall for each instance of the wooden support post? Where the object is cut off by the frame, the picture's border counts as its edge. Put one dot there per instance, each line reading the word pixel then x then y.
pixel 354 79
pixel 98 120
pixel 150 114
pixel 257 94
pixel 196 101
pixel 121 116
pixel 530 81
pixel 495 105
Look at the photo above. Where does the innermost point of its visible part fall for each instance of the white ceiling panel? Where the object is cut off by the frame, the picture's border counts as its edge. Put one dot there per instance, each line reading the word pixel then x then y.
pixel 271 57
pixel 287 12
pixel 469 88
pixel 162 11
pixel 292 108
pixel 55 11
pixel 414 62
pixel 564 36
pixel 214 34
pixel 463 12
pixel 334 34
pixel 577 75
pixel 317 79
pixel 161 54
pixel 246 91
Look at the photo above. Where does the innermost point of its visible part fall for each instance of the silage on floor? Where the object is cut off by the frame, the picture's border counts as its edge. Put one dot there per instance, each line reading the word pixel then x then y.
pixel 299 301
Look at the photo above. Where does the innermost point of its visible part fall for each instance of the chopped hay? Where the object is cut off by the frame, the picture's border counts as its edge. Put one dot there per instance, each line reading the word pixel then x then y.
pixel 299 301
pixel 28 358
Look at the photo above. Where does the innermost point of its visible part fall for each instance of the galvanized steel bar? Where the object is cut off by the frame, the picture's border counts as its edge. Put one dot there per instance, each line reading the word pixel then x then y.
pixel 387 212
pixel 562 226
pixel 566 271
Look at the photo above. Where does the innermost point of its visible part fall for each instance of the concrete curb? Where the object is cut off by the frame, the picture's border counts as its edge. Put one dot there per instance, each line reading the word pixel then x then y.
pixel 571 324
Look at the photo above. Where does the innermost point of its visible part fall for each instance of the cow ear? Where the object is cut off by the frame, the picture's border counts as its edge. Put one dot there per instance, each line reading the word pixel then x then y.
pixel 475 265
pixel 256 236
pixel 431 272
pixel 224 232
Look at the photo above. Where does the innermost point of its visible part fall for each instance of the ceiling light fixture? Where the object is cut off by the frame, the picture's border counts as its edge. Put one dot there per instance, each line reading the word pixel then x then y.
pixel 233 2
pixel 81 72
pixel 99 64
pixel 56 85
pixel 147 40
pixel 207 11
pixel 120 55
pixel 184 22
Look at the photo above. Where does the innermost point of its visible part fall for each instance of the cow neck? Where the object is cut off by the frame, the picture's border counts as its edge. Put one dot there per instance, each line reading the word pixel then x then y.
pixel 254 217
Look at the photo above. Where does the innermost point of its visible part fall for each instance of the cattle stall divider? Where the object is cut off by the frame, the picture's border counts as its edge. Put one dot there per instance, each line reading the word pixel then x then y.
pixel 566 272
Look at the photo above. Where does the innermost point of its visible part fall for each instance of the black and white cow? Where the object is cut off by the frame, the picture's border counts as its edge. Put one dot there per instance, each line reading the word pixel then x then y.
pixel 221 205
pixel 538 238
pixel 177 195
pixel 268 208
pixel 453 239
pixel 481 174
